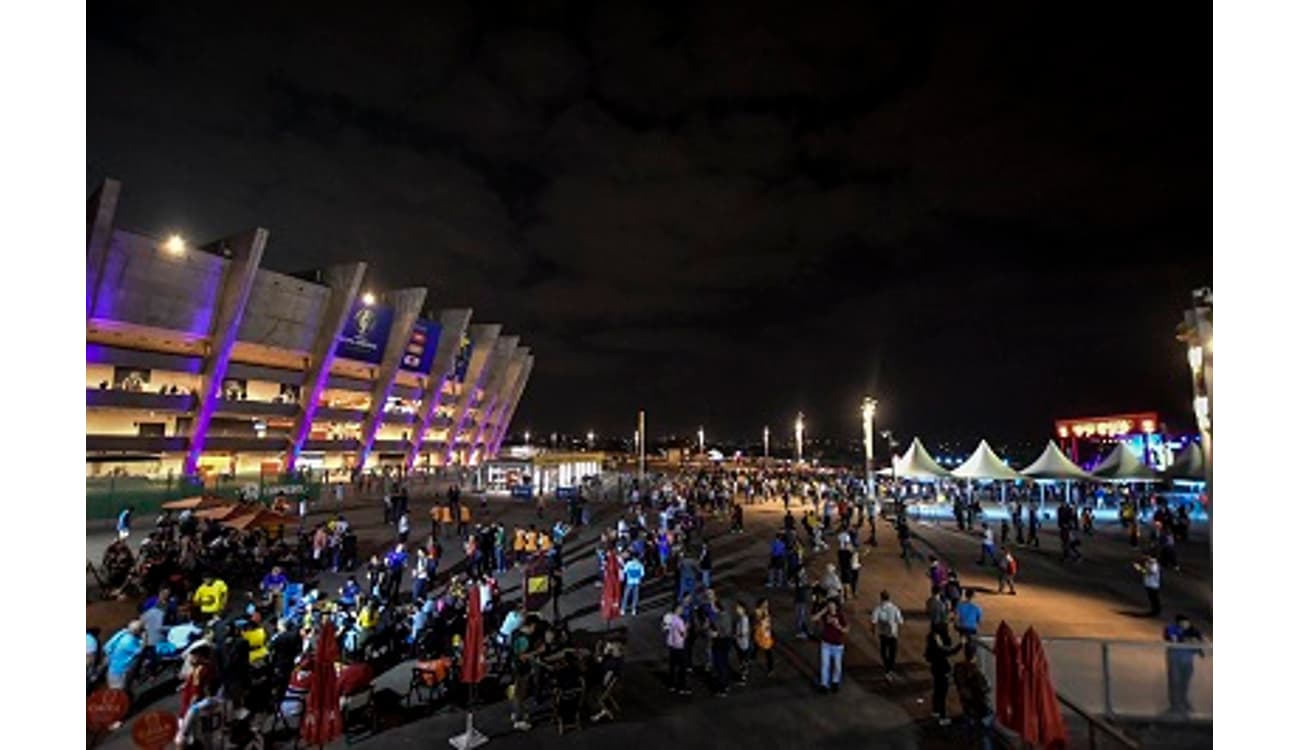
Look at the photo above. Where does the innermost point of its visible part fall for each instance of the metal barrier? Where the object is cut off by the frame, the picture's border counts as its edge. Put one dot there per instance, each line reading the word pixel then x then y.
pixel 1103 681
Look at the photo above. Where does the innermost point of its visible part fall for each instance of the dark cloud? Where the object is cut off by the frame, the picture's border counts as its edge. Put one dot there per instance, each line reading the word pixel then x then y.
pixel 721 212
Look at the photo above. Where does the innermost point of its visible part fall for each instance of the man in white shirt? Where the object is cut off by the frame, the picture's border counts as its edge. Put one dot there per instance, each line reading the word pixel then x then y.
pixel 885 619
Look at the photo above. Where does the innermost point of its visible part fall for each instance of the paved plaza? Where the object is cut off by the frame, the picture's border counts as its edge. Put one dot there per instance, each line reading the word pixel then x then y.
pixel 1099 598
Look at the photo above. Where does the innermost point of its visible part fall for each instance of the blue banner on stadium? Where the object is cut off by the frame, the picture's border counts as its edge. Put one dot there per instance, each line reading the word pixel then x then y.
pixel 522 492
pixel 421 347
pixel 566 493
pixel 366 333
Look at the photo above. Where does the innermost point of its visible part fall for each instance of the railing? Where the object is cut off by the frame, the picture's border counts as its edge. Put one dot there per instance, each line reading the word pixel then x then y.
pixel 1104 681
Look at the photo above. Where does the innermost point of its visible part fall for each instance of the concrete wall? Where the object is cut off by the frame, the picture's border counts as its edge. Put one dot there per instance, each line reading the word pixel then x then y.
pixel 283 312
pixel 143 284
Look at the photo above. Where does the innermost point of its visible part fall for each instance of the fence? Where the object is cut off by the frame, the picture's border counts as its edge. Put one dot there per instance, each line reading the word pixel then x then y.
pixel 107 496
pixel 1147 682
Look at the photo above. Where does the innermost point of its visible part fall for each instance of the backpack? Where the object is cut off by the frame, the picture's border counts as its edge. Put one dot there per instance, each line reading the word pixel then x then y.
pixel 1013 567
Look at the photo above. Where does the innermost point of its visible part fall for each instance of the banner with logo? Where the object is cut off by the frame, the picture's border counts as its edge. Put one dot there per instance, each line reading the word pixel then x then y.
pixel 420 348
pixel 462 358
pixel 366 333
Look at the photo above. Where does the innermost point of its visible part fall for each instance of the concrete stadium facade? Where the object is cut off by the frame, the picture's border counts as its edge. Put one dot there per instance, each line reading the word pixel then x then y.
pixel 200 360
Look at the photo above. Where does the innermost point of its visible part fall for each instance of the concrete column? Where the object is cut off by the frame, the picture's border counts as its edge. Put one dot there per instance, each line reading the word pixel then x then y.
pixel 101 207
pixel 407 304
pixel 492 381
pixel 504 424
pixel 500 397
pixel 344 282
pixel 454 324
pixel 483 338
pixel 245 258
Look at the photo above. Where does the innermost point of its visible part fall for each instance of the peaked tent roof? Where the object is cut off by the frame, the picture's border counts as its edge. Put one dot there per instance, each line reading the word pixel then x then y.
pixel 984 464
pixel 1190 464
pixel 1053 464
pixel 917 463
pixel 1122 465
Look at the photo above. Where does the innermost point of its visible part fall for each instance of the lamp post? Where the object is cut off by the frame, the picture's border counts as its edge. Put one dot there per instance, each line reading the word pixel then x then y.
pixel 798 438
pixel 868 444
pixel 700 435
pixel 1197 331
pixel 766 437
pixel 640 445
pixel 591 439
pixel 527 436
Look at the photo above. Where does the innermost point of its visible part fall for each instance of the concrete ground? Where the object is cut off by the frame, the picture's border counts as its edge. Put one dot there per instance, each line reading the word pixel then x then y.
pixel 1100 598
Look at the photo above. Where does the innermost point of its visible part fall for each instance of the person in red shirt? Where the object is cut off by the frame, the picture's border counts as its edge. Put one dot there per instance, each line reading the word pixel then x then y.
pixel 835 628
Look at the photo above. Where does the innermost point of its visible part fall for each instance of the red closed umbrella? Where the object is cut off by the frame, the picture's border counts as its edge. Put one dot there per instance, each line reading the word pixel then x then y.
pixel 611 593
pixel 473 667
pixel 321 719
pixel 1041 723
pixel 1007 652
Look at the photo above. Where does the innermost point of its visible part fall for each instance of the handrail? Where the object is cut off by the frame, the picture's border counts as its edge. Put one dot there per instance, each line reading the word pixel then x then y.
pixel 1093 722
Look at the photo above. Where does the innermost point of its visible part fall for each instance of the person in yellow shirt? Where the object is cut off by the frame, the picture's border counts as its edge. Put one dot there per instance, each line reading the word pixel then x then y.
pixel 530 540
pixel 211 596
pixel 255 634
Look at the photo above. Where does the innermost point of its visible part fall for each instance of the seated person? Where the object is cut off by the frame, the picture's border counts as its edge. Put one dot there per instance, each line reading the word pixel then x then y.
pixel 122 651
pixel 295 695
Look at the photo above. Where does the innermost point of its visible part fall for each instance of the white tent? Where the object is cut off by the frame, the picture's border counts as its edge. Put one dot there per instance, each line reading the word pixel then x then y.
pixel 1053 464
pixel 984 464
pixel 917 463
pixel 1122 465
pixel 1189 465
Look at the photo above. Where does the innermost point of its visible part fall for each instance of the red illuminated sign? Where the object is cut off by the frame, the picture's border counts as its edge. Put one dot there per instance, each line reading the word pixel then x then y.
pixel 1115 425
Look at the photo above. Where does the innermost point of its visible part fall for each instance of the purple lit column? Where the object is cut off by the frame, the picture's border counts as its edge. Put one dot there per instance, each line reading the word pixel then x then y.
pixel 407 304
pixel 483 338
pixel 246 255
pixel 453 323
pixel 344 283
pixel 492 382
pixel 504 423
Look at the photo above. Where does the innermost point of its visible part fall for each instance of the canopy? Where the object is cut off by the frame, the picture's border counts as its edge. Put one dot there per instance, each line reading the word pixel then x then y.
pixel 1190 464
pixel 223 511
pixel 917 463
pixel 260 518
pixel 984 464
pixel 1053 464
pixel 1122 465
pixel 194 503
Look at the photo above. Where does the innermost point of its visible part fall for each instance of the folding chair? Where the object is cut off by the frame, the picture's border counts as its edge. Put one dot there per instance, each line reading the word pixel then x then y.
pixel 428 682
pixel 605 703
pixel 362 701
pixel 568 708
pixel 291 723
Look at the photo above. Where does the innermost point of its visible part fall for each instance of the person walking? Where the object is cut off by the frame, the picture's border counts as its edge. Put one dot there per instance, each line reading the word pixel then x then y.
pixel 742 636
pixel 937 610
pixel 987 549
pixel 938 647
pixel 1180 662
pixel 674 627
pixel 885 621
pixel 801 603
pixel 973 690
pixel 1033 526
pixel 763 639
pixel 855 570
pixel 1008 567
pixel 1149 569
pixel 706 565
pixel 123 525
pixel 633 573
pixel 969 615
pixel 721 628
pixel 403 527
pixel 776 563
pixel 835 629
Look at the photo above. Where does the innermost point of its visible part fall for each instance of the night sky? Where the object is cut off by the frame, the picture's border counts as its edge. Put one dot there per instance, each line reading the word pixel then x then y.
pixel 987 215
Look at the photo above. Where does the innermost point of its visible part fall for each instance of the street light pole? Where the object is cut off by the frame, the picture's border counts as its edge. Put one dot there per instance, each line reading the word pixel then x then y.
pixel 640 444
pixel 1197 331
pixel 798 438
pixel 868 443
pixel 701 436
pixel 766 436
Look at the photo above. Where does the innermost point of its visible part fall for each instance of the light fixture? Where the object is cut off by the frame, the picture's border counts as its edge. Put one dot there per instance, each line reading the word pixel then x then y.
pixel 175 245
pixel 368 299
